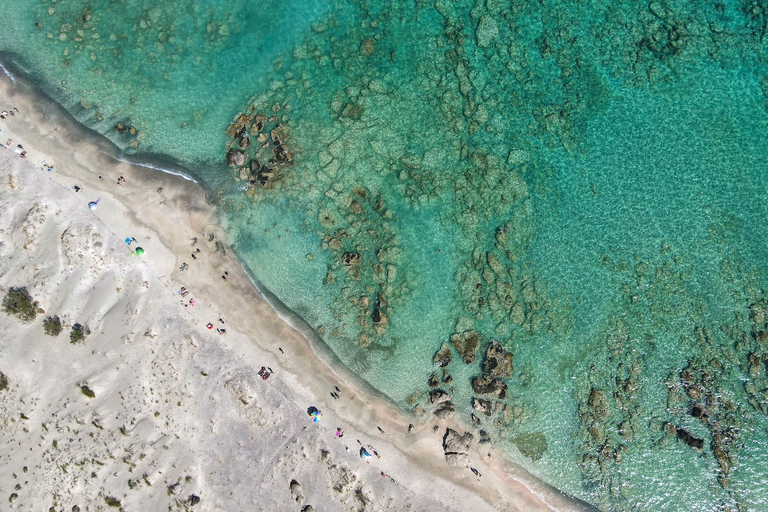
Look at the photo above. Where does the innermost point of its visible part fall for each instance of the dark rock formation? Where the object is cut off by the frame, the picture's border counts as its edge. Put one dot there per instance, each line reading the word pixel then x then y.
pixel 466 345
pixel 258 124
pixel 498 362
pixel 238 125
pixel 443 357
pixel 454 442
pixel 235 157
pixel 690 440
pixel 438 396
pixel 455 447
pixel 445 410
pixel 264 175
pixel 351 259
pixel 484 385
pixel 483 406
pixel 380 320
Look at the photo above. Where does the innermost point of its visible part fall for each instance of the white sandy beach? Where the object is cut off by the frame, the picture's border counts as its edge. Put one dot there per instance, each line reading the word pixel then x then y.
pixel 179 410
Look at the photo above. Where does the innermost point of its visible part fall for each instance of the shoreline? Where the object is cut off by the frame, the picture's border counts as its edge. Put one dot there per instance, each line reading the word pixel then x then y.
pixel 307 365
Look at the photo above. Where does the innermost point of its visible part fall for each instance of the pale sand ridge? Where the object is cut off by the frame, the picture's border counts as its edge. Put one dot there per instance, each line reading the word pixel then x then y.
pixel 179 411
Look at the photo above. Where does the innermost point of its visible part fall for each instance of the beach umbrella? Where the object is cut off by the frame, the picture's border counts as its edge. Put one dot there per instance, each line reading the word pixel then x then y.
pixel 139 251
pixel 93 204
pixel 316 415
pixel 364 454
pixel 128 240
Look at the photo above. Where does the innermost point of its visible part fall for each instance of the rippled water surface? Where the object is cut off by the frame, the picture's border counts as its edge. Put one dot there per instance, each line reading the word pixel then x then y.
pixel 584 183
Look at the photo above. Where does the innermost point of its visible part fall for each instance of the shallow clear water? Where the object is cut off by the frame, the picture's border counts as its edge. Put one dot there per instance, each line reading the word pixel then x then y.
pixel 585 183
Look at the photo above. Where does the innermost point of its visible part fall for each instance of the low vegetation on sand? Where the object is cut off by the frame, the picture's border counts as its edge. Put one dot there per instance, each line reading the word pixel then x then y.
pixel 52 326
pixel 19 302
pixel 78 333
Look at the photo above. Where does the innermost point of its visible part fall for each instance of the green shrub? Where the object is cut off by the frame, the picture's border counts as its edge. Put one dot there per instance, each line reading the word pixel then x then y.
pixel 52 326
pixel 78 333
pixel 112 502
pixel 19 302
pixel 87 391
pixel 3 382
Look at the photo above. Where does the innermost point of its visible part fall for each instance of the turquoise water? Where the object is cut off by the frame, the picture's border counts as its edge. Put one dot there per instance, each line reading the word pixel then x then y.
pixel 583 182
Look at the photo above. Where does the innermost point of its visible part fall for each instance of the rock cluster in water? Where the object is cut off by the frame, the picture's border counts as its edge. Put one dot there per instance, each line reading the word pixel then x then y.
pixel 265 162
pixel 490 386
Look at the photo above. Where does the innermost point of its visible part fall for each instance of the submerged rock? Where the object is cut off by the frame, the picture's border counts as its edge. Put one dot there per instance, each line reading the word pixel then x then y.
pixel 367 47
pixel 598 404
pixel 258 125
pixel 443 357
pixel 466 345
pixel 722 458
pixel 498 361
pixel 351 259
pixel 486 385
